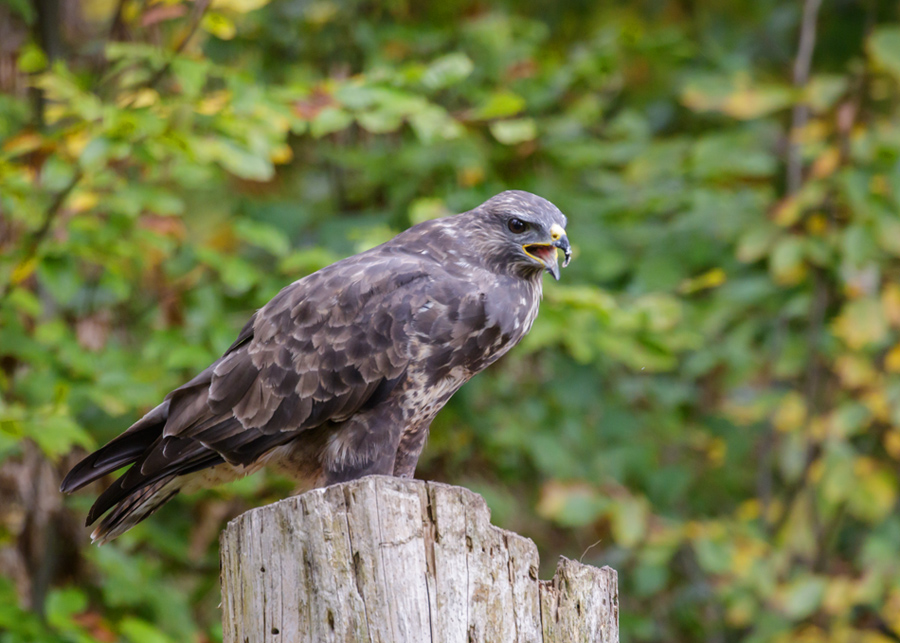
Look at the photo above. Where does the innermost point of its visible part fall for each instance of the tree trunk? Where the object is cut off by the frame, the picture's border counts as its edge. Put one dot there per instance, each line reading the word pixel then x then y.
pixel 388 560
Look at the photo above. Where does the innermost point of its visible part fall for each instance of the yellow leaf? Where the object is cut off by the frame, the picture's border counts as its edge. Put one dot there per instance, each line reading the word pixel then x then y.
pixel 694 530
pixel 863 466
pixel 818 429
pixel 716 451
pixel 891 611
pixel 877 403
pixel 854 371
pixel 892 360
pixel 892 443
pixel 791 413
pixel 141 98
pixel 239 6
pixel 890 302
pixel 787 212
pixel 470 175
pixel 873 496
pixel 281 154
pixel 817 224
pixel 826 163
pixel 749 510
pixel 839 594
pixel 23 143
pixel 23 271
pixel 219 25
pixel 816 471
pixel 861 323
pixel 879 185
pixel 213 103
pixel 82 201
pixel 709 279
pixel 740 611
pixel 744 555
pixel 76 141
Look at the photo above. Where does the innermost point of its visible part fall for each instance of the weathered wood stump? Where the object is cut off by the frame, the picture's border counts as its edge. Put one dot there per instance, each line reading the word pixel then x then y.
pixel 387 560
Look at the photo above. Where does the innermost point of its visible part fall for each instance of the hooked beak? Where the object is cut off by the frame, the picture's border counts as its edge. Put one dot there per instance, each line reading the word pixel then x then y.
pixel 546 252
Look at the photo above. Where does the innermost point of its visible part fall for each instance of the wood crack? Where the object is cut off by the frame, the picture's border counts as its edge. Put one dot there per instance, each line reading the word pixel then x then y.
pixel 367 561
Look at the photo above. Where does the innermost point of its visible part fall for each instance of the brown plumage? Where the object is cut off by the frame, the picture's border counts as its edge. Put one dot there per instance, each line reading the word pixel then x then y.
pixel 342 372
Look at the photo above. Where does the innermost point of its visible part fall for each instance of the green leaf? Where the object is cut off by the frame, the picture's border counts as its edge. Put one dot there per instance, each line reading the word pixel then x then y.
pixel 447 70
pixel 629 521
pixel 500 104
pixel 140 631
pixel 31 59
pixel 432 123
pixel 263 235
pixel 380 121
pixel 56 433
pixel 240 161
pixel 738 96
pixel 330 120
pixel 786 263
pixel 883 47
pixel 803 596
pixel 25 301
pixel 62 605
pixel 24 9
pixel 513 132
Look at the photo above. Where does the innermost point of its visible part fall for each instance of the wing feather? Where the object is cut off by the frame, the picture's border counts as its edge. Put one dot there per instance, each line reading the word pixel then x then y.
pixel 327 346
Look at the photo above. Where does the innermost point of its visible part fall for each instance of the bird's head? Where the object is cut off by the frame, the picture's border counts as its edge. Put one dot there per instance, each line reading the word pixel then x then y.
pixel 521 232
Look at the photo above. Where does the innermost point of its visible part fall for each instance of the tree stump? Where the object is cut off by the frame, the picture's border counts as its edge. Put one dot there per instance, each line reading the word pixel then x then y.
pixel 388 560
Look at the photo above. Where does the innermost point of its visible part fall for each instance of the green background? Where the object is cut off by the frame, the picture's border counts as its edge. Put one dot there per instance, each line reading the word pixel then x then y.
pixel 710 399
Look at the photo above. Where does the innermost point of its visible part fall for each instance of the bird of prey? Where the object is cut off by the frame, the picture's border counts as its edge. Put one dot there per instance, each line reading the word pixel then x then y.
pixel 341 373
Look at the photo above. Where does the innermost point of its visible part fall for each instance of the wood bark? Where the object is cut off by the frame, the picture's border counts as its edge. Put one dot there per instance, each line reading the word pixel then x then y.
pixel 388 560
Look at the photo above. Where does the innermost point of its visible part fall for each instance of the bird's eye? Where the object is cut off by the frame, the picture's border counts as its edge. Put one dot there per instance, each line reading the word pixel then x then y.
pixel 517 226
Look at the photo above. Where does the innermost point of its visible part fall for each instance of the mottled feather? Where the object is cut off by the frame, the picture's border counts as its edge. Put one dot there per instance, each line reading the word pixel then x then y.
pixel 341 373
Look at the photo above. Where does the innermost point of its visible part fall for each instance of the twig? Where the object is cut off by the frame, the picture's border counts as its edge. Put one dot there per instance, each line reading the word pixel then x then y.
pixel 117 25
pixel 37 237
pixel 800 113
pixel 197 14
pixel 590 547
pixel 794 180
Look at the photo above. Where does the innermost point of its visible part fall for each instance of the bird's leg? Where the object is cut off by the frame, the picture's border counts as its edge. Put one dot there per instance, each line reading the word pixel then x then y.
pixel 411 444
pixel 359 449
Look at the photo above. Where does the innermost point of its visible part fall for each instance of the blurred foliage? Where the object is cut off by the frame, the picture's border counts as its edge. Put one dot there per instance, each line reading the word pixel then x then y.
pixel 709 400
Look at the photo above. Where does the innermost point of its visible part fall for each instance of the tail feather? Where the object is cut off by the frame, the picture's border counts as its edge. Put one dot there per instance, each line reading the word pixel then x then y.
pixel 167 449
pixel 123 450
pixel 134 482
pixel 135 508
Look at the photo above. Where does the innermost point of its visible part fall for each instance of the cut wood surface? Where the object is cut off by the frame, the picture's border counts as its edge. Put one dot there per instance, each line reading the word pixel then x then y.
pixel 388 560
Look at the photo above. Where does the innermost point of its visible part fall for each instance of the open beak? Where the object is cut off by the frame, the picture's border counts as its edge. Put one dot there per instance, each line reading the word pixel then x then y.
pixel 546 252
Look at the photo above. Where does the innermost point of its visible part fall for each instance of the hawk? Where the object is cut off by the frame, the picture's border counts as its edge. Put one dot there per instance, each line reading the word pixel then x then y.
pixel 341 373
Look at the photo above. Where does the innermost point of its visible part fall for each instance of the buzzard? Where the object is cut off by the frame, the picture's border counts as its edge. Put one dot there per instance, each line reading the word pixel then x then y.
pixel 341 373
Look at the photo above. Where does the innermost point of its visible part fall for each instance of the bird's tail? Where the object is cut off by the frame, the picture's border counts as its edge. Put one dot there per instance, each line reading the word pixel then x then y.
pixel 135 508
pixel 120 452
pixel 126 449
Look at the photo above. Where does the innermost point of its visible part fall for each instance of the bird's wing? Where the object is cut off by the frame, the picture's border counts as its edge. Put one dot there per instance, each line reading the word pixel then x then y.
pixel 317 352
pixel 320 350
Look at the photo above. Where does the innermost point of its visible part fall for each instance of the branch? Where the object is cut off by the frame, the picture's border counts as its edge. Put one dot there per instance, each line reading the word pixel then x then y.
pixel 800 114
pixel 34 240
pixel 196 17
